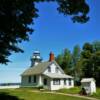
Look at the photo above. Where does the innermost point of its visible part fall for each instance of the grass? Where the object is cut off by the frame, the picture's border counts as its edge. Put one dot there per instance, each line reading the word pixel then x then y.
pixel 74 90
pixel 97 94
pixel 27 94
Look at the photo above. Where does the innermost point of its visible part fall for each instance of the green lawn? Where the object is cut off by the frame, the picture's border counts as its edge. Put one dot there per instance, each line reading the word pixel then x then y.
pixel 27 94
pixel 76 90
pixel 97 94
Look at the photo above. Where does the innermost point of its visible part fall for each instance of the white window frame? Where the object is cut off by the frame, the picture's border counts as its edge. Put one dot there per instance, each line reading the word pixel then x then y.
pixel 69 82
pixel 65 81
pixel 57 69
pixel 56 81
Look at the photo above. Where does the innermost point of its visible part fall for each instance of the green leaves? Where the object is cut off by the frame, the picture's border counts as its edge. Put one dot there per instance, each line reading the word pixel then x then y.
pixel 78 9
pixel 15 18
pixel 17 15
pixel 65 61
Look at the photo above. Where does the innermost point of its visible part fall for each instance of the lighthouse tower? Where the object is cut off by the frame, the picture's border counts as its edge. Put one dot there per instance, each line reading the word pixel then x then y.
pixel 36 58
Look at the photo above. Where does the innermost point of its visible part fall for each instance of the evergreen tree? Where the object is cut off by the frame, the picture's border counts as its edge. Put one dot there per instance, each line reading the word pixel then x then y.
pixel 91 61
pixel 77 64
pixel 65 61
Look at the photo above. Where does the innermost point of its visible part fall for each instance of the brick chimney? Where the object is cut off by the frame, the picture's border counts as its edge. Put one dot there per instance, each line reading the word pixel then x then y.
pixel 51 58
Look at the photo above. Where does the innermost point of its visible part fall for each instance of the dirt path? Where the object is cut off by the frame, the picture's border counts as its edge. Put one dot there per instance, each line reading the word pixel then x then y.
pixel 73 95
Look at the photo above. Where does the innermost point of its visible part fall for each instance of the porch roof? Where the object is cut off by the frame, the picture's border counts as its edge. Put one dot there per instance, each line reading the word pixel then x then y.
pixel 55 75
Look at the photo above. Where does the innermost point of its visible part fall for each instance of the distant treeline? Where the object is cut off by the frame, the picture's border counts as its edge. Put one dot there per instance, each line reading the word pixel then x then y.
pixel 9 84
pixel 81 62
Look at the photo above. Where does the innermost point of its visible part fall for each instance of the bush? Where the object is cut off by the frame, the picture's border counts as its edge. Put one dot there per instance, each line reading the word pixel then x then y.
pixel 83 91
pixel 40 87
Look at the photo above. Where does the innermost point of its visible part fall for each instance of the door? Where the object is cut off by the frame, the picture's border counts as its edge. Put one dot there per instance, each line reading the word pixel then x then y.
pixel 45 81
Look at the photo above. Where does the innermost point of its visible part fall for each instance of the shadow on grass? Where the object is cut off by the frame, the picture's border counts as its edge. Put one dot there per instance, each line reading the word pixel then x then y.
pixel 6 96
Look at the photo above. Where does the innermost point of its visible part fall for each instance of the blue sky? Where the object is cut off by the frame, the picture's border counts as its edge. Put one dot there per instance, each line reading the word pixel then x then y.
pixel 53 32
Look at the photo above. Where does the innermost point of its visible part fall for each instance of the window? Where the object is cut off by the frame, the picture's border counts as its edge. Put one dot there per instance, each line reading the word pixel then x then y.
pixel 49 69
pixel 64 81
pixel 34 80
pixel 29 79
pixel 69 81
pixel 56 82
pixel 57 69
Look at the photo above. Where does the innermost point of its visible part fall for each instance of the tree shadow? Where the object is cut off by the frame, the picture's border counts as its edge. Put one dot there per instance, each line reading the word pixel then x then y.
pixel 6 96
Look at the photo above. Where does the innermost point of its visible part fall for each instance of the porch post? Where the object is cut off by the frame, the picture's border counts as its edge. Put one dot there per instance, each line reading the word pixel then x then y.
pixel 40 80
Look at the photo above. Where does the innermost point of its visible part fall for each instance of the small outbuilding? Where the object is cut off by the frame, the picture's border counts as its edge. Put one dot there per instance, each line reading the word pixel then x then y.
pixel 89 85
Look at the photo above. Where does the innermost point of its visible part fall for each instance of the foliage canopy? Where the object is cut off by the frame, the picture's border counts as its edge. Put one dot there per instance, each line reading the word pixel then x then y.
pixel 17 15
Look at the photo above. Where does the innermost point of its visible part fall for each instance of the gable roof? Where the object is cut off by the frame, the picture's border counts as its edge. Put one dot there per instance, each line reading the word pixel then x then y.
pixel 39 69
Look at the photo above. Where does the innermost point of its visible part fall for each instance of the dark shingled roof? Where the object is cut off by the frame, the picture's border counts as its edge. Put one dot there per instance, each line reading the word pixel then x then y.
pixel 38 69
